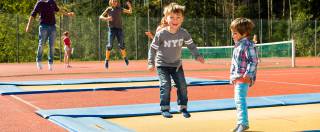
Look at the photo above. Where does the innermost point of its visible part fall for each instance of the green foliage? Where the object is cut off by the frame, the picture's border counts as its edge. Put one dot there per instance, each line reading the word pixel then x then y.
pixel 303 30
pixel 17 6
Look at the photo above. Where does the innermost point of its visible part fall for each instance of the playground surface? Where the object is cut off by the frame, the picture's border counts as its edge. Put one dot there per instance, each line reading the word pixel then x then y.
pixel 283 98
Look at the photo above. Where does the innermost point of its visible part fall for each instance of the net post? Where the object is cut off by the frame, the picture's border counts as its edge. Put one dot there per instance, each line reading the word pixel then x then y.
pixel 293 56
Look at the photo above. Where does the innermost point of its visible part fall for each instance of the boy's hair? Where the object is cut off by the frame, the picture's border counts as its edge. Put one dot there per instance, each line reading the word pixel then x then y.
pixel 65 33
pixel 163 22
pixel 242 25
pixel 173 8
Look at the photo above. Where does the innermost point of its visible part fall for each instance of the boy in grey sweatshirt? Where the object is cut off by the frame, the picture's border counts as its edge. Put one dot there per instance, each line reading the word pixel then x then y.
pixel 165 55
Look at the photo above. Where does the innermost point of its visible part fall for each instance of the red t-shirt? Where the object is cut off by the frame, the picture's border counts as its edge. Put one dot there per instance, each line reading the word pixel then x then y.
pixel 67 41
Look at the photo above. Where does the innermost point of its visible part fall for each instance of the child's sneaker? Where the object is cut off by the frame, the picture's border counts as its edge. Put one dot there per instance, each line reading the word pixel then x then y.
pixel 39 65
pixel 173 84
pixel 185 113
pixel 166 114
pixel 126 60
pixel 106 64
pixel 240 128
pixel 50 67
pixel 67 66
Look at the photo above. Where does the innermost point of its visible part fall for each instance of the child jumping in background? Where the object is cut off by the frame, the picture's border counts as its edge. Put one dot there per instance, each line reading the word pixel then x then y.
pixel 67 49
pixel 165 55
pixel 163 23
pixel 256 41
pixel 243 68
pixel 113 15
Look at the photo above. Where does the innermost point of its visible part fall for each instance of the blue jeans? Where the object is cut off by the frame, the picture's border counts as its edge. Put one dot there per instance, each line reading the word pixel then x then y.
pixel 240 95
pixel 165 74
pixel 118 33
pixel 46 32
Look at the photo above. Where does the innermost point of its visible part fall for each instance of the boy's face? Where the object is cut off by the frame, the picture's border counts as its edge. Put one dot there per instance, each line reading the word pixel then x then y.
pixel 114 3
pixel 236 36
pixel 174 20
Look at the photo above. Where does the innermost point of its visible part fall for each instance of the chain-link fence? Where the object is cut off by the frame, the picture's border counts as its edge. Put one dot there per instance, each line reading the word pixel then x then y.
pixel 89 36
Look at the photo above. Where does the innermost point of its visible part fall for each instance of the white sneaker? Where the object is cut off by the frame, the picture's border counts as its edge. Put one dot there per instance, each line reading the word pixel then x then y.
pixel 39 65
pixel 240 128
pixel 50 67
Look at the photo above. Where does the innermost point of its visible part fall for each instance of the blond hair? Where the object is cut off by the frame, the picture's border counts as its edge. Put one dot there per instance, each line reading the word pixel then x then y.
pixel 66 33
pixel 255 38
pixel 173 8
pixel 243 25
pixel 163 22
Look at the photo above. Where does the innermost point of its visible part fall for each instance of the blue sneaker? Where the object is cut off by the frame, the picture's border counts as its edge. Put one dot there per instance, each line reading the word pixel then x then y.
pixel 185 113
pixel 166 114
pixel 106 64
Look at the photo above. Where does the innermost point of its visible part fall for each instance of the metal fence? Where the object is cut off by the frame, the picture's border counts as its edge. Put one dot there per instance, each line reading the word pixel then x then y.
pixel 89 36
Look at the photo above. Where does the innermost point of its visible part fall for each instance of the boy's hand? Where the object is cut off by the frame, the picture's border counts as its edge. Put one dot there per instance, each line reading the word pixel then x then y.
pixel 150 67
pixel 129 4
pixel 149 34
pixel 109 18
pixel 71 14
pixel 200 59
pixel 129 10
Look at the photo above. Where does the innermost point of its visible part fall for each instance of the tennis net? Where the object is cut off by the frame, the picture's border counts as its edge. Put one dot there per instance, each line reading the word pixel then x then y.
pixel 270 54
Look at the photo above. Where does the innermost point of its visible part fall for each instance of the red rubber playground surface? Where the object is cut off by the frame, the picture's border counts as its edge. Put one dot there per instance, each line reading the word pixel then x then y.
pixel 17 112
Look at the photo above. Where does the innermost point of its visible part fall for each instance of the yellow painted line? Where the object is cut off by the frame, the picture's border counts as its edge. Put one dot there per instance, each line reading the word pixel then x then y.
pixel 26 102
pixel 269 119
pixel 79 86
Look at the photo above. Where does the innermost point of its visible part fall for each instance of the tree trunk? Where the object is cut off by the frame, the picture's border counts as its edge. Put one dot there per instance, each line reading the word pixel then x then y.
pixel 271 16
pixel 283 8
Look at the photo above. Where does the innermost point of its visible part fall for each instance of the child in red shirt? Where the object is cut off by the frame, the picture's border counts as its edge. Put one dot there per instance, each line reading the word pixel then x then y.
pixel 67 49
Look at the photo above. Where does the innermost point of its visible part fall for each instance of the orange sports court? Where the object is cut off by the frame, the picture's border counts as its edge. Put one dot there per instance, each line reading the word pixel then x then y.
pixel 283 99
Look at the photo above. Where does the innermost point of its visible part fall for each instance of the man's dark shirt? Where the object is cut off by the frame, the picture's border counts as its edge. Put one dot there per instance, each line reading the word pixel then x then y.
pixel 47 12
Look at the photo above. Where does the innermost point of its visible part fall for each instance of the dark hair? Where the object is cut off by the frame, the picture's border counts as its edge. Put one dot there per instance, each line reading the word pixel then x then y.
pixel 242 25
